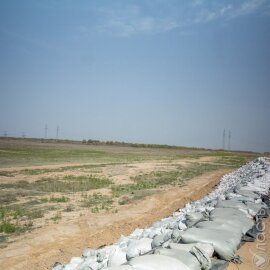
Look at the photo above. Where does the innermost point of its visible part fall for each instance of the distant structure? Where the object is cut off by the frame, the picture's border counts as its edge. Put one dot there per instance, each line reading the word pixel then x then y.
pixel 223 139
pixel 229 140
pixel 5 134
pixel 23 135
pixel 57 132
pixel 46 131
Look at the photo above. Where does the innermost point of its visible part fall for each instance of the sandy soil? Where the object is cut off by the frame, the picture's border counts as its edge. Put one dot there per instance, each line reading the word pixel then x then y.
pixel 59 242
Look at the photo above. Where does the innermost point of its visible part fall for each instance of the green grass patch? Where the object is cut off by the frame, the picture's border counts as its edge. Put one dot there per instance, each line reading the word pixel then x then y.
pixel 157 179
pixel 62 199
pixel 97 202
pixel 62 169
pixel 67 184
pixel 234 161
pixel 6 173
pixel 17 211
pixel 7 227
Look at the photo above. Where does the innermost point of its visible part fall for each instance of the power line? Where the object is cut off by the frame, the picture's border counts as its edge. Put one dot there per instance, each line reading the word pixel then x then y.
pixel 229 140
pixel 46 130
pixel 57 132
pixel 223 139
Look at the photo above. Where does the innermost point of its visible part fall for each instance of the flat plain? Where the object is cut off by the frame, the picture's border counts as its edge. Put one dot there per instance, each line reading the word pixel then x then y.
pixel 53 193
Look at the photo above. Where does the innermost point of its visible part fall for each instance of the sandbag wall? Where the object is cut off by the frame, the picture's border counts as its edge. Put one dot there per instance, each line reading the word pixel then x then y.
pixel 205 234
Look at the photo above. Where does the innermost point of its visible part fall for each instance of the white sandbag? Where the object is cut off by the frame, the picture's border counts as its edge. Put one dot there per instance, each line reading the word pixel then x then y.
pixel 74 262
pixel 218 225
pixel 206 247
pixel 117 257
pixel 240 198
pixel 176 235
pixel 225 243
pixel 232 216
pixel 231 204
pixel 139 247
pixel 123 267
pixel 157 262
pixel 90 263
pixel 202 257
pixel 256 207
pixel 227 213
pixel 193 218
pixel 158 241
pixel 181 246
pixel 182 226
pixel 247 193
pixel 245 223
pixel 184 256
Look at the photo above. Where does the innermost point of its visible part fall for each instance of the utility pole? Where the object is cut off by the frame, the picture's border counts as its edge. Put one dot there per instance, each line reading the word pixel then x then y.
pixel 5 133
pixel 223 139
pixel 46 130
pixel 229 140
pixel 23 135
pixel 57 132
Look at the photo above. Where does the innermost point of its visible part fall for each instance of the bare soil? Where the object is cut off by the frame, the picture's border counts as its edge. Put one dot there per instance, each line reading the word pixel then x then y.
pixel 42 247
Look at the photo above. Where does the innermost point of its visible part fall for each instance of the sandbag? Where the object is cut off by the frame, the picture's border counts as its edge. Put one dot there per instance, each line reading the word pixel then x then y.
pixel 202 257
pixel 206 247
pixel 193 218
pixel 117 257
pixel 184 256
pixel 158 241
pixel 157 262
pixel 219 264
pixel 226 212
pixel 232 204
pixel 256 207
pixel 218 225
pixel 139 247
pixel 240 198
pixel 161 239
pixel 225 243
pixel 122 267
pixel 176 235
pixel 247 193
pixel 232 216
pixel 89 263
pixel 74 262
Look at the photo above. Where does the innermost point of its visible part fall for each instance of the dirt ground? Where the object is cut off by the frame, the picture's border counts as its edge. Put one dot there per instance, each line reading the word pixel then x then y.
pixel 42 247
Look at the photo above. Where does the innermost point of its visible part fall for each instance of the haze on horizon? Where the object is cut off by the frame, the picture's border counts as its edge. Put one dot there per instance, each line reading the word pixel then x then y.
pixel 153 71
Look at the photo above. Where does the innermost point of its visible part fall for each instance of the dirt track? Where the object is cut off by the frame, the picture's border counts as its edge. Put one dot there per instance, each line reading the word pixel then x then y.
pixel 59 242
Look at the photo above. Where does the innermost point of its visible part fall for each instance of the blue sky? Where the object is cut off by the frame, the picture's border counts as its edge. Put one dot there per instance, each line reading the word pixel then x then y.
pixel 168 72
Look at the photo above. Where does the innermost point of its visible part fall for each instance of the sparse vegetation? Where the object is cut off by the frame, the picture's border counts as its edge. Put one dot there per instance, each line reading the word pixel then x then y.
pixel 69 208
pixel 62 199
pixel 30 196
pixel 57 217
pixel 97 202
pixel 67 184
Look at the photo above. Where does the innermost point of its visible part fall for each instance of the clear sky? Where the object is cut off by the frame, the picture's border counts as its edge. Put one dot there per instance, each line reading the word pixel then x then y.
pixel 148 71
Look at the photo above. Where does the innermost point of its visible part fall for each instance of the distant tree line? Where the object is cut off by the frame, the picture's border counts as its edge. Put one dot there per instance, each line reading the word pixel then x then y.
pixel 141 145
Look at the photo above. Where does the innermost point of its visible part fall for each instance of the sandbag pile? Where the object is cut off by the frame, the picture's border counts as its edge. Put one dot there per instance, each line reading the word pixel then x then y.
pixel 202 235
